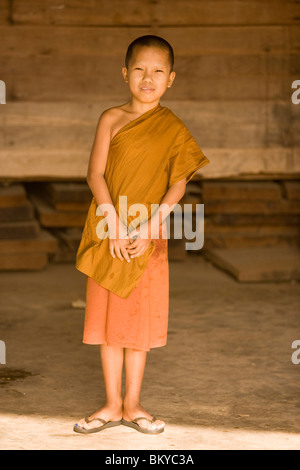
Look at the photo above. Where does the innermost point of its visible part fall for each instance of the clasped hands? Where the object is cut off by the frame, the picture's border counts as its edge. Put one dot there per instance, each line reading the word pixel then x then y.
pixel 130 245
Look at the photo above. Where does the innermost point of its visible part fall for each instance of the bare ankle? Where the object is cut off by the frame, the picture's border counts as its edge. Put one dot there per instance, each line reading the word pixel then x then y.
pixel 131 403
pixel 114 403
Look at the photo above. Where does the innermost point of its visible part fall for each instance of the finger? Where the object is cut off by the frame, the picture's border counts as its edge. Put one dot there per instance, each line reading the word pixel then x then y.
pixel 137 255
pixel 132 255
pixel 111 249
pixel 139 252
pixel 118 253
pixel 124 243
pixel 133 250
pixel 120 246
pixel 132 247
pixel 136 242
pixel 125 254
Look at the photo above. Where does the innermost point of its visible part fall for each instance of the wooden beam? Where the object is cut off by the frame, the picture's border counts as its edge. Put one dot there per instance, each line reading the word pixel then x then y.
pixel 50 217
pixel 236 62
pixel 227 124
pixel 41 243
pixel 48 165
pixel 40 40
pixel 240 191
pixel 258 264
pixel 81 78
pixel 240 138
pixel 19 229
pixel 11 196
pixel 162 12
pixel 23 261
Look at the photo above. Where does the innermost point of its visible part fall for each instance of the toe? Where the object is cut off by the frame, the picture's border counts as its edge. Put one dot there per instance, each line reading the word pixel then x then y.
pixel 157 425
pixel 81 423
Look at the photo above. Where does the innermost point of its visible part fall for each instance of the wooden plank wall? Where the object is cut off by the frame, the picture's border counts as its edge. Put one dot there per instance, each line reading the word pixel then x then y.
pixel 235 63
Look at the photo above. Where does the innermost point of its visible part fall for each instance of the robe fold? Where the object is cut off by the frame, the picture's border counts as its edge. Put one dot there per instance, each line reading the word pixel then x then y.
pixel 146 157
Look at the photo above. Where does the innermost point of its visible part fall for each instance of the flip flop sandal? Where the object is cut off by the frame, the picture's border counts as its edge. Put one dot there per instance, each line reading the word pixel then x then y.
pixel 105 424
pixel 135 425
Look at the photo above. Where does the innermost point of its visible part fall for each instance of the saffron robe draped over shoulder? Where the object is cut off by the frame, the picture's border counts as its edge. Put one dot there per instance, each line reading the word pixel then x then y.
pixel 146 157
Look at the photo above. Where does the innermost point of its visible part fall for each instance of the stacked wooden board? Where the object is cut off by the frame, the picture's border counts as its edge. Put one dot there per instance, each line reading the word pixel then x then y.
pixel 248 226
pixel 61 208
pixel 251 214
pixel 252 229
pixel 24 245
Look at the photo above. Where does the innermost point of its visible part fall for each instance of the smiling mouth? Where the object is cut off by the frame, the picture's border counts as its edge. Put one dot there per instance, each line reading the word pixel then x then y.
pixel 147 89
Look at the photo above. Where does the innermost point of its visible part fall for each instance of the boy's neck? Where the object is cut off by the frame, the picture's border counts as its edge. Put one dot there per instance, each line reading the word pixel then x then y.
pixel 137 107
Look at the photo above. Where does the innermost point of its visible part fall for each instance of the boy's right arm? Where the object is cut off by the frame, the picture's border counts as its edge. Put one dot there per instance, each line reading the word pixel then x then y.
pixel 98 159
pixel 98 185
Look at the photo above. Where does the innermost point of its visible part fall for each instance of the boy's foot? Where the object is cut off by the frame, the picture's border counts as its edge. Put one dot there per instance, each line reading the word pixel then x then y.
pixel 104 417
pixel 154 426
pixel 139 419
pixel 102 424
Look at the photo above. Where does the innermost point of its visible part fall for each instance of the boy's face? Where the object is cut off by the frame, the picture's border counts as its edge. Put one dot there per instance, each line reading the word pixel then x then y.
pixel 148 74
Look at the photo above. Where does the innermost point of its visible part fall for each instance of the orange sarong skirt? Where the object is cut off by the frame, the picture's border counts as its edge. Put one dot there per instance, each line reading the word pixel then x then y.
pixel 139 322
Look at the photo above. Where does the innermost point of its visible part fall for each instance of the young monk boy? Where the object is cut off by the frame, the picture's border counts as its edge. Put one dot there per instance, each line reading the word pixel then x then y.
pixel 142 154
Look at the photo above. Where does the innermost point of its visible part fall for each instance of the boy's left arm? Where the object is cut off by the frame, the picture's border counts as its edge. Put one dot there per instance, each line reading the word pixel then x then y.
pixel 174 194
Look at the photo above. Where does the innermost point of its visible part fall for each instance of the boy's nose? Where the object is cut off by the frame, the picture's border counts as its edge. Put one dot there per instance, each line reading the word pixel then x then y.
pixel 147 77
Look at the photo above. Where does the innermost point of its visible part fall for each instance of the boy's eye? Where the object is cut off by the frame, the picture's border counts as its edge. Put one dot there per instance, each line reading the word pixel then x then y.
pixel 140 68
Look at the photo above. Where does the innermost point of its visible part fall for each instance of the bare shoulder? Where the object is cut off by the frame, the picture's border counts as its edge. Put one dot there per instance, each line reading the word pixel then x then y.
pixel 112 114
pixel 112 118
pixel 117 117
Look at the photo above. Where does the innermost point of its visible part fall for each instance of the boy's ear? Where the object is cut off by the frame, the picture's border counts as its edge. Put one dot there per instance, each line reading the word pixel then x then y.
pixel 171 78
pixel 125 74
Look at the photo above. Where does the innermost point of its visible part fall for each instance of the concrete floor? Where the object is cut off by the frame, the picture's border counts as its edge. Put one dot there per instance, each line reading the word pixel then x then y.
pixel 225 380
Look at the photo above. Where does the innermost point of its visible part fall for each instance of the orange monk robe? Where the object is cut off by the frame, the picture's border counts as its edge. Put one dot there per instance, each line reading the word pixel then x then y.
pixel 145 158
